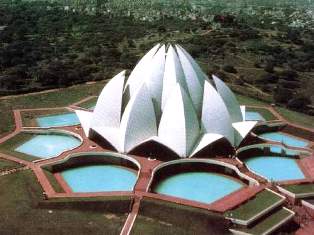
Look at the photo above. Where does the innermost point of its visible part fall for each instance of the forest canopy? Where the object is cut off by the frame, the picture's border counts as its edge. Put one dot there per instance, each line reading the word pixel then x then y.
pixel 262 51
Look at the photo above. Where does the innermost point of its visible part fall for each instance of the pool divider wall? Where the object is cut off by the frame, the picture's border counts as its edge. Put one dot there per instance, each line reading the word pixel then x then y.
pixel 53 131
pixel 265 149
pixel 167 169
pixel 91 159
pixel 202 220
pixel 268 127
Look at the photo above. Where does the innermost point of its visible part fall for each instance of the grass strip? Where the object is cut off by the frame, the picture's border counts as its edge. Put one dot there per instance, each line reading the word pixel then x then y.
pixel 260 202
pixel 268 222
pixel 300 188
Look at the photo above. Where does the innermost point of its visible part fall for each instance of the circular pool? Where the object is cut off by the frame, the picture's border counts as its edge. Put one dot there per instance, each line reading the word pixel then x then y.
pixel 203 187
pixel 100 178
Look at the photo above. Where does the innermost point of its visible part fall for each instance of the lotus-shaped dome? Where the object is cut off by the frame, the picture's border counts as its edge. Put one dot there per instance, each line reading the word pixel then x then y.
pixel 170 100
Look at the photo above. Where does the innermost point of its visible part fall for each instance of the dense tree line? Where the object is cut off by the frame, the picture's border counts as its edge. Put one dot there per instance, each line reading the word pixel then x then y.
pixel 42 46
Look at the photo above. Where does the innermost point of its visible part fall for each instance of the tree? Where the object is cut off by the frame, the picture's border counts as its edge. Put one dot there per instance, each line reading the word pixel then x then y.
pixel 299 103
pixel 229 68
pixel 282 95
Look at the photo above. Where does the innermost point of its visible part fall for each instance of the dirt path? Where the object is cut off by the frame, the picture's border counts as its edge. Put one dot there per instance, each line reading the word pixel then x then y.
pixel 14 170
pixel 44 91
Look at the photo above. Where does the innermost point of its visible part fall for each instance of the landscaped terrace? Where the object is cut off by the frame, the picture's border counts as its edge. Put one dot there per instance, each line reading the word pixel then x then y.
pixel 256 207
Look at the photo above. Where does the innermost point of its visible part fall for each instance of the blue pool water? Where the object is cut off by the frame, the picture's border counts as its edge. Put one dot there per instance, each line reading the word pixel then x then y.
pixel 284 138
pixel 47 146
pixel 203 187
pixel 99 178
pixel 275 168
pixel 67 119
pixel 253 116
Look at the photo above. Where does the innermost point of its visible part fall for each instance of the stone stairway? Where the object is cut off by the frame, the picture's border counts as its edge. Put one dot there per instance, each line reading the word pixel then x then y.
pixel 261 215
pixel 267 224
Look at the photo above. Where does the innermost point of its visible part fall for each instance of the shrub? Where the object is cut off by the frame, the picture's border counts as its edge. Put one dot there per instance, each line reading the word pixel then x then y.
pixel 269 67
pixel 282 95
pixel 229 68
pixel 288 75
pixel 299 103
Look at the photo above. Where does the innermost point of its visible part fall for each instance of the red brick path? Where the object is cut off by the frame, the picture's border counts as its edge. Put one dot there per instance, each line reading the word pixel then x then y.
pixel 140 190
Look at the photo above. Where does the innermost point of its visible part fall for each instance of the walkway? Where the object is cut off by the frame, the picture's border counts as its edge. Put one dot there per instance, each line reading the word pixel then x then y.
pixel 308 165
pixel 306 230
pixel 147 166
pixel 234 199
pixel 126 230
pixel 18 126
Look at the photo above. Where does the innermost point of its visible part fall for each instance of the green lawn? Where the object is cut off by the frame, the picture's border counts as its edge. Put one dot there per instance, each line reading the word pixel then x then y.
pixel 297 118
pixel 300 188
pixel 21 214
pixel 11 144
pixel 294 117
pixel 264 112
pixel 56 98
pixel 150 226
pixel 7 165
pixel 260 202
pixel 268 222
pixel 159 217
pixel 245 100
pixel 89 103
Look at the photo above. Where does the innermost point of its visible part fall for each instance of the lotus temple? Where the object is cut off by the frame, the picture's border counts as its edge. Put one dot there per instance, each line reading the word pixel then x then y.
pixel 167 137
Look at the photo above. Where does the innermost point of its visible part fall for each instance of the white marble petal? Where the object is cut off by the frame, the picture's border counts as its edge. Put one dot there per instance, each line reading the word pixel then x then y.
pixel 229 99
pixel 84 117
pixel 215 116
pixel 179 127
pixel 139 120
pixel 107 112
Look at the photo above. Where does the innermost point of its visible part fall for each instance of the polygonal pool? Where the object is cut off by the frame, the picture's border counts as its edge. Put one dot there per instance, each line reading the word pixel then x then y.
pixel 275 168
pixel 48 145
pixel 100 178
pixel 284 138
pixel 57 120
pixel 205 187
pixel 253 116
